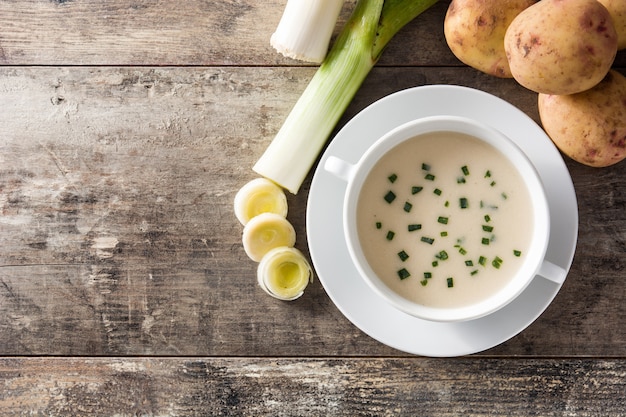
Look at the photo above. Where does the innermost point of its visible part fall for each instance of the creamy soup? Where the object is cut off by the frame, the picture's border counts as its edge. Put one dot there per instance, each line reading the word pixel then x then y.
pixel 444 219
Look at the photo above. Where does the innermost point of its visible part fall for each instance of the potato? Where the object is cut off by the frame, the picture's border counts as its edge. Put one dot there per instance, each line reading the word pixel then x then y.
pixel 561 46
pixel 617 10
pixel 589 127
pixel 474 31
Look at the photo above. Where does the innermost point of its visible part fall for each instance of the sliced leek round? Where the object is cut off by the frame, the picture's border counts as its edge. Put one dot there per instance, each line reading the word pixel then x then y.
pixel 259 196
pixel 266 231
pixel 284 273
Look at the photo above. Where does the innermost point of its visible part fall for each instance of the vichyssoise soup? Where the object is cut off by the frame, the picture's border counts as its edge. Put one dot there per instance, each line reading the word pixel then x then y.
pixel 444 219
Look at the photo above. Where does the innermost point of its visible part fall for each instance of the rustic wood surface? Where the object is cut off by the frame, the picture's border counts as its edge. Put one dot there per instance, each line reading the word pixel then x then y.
pixel 126 128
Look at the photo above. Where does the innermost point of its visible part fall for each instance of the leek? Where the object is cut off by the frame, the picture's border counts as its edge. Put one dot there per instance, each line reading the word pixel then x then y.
pixel 295 148
pixel 305 29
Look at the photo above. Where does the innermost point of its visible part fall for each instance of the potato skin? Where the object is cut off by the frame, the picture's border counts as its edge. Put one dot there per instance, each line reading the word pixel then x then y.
pixel 617 10
pixel 561 46
pixel 474 31
pixel 589 127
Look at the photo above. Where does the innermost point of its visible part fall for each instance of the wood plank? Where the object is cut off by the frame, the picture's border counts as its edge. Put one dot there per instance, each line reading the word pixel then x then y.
pixel 194 32
pixel 116 188
pixel 294 387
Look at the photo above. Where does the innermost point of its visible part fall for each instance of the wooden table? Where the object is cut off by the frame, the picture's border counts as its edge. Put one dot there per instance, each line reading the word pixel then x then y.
pixel 126 129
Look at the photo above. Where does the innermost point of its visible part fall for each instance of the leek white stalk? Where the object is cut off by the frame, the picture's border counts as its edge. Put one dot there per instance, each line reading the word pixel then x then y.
pixel 292 153
pixel 305 29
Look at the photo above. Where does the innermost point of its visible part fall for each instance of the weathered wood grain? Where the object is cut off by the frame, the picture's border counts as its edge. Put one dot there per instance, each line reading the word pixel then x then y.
pixel 193 32
pixel 311 387
pixel 118 237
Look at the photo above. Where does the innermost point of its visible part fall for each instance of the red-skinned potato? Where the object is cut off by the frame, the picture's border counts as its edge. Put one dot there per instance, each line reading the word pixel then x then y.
pixel 617 10
pixel 589 127
pixel 561 46
pixel 474 31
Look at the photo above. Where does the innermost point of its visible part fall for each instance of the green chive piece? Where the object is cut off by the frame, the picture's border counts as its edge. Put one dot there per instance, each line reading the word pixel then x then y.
pixel 435 264
pixel 497 262
pixel 415 189
pixel 462 250
pixel 403 255
pixel 425 167
pixel 517 253
pixel 403 273
pixel 460 180
pixel 463 203
pixel 414 227
pixel 429 177
pixel 487 228
pixel 442 220
pixel 469 262
pixel 465 170
pixel 379 225
pixel 392 178
pixel 487 218
pixel 442 255
pixel 474 272
pixel 446 204
pixel 487 174
pixel 482 260
pixel 424 282
pixel 450 282
pixel 390 196
pixel 493 183
pixel 408 206
pixel 437 191
pixel 428 240
pixel 504 196
pixel 428 275
pixel 485 241
pixel 390 235
pixel 443 234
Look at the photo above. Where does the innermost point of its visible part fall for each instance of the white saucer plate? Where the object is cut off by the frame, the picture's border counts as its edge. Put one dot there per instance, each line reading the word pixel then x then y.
pixel 329 253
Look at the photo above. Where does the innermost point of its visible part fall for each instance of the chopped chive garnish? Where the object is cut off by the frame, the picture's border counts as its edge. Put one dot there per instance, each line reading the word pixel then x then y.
pixel 403 255
pixel 485 241
pixel 403 273
pixel 429 177
pixel 487 228
pixel 443 234
pixel 482 260
pixel 504 196
pixel 460 180
pixel 392 178
pixel 462 251
pixel 493 183
pixel 424 282
pixel 517 253
pixel 379 225
pixel 463 202
pixel 442 220
pixel 469 262
pixel 425 167
pixel 428 275
pixel 437 191
pixel 487 174
pixel 414 227
pixel 390 235
pixel 408 206
pixel 428 240
pixel 474 272
pixel 415 189
pixel 482 204
pixel 390 196
pixel 442 255
pixel 465 170
pixel 435 264
pixel 450 282
pixel 497 262
pixel 446 204
pixel 487 218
